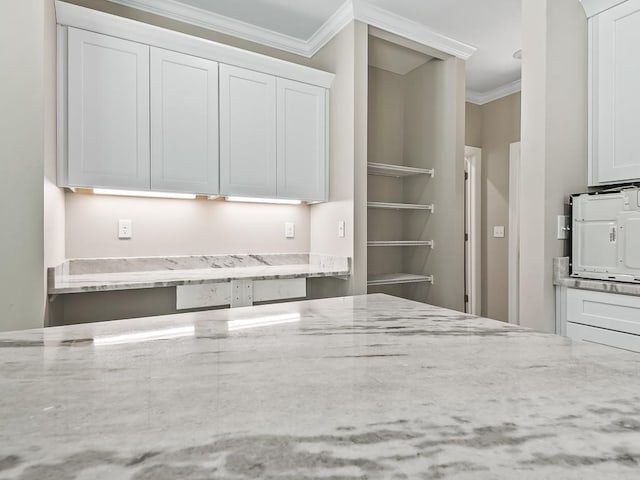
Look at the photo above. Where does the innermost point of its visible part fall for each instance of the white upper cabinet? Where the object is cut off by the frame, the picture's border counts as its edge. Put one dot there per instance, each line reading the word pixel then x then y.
pixel 108 111
pixel 145 108
pixel 184 123
pixel 615 96
pixel 301 135
pixel 247 132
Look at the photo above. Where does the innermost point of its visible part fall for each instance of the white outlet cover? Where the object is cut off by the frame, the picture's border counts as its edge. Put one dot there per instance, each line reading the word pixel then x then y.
pixel 341 227
pixel 289 230
pixel 498 231
pixel 125 229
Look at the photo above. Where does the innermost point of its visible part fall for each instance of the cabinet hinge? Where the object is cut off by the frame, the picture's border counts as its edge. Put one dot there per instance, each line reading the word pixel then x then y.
pixel 466 237
pixel 466 175
pixel 466 298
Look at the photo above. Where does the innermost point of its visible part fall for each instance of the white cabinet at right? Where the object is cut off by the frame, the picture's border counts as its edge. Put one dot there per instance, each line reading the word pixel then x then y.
pixel 600 317
pixel 273 136
pixel 614 103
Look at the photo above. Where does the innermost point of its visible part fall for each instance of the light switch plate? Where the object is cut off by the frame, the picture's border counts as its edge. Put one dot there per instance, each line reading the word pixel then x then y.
pixel 498 231
pixel 340 228
pixel 289 230
pixel 125 229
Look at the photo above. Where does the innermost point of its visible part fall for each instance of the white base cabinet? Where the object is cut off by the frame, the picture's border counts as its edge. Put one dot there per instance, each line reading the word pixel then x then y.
pixel 600 317
pixel 614 103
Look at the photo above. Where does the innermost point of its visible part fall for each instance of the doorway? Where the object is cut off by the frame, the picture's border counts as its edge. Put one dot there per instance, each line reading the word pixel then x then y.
pixel 472 229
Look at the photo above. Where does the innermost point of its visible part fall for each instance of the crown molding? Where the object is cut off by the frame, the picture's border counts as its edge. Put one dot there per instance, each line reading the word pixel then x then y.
pixel 349 11
pixel 329 29
pixel 220 23
pixel 404 27
pixel 479 98
pixel 594 7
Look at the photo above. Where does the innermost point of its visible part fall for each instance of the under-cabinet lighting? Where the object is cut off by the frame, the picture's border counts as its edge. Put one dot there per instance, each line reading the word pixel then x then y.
pixel 147 336
pixel 266 321
pixel 263 200
pixel 140 193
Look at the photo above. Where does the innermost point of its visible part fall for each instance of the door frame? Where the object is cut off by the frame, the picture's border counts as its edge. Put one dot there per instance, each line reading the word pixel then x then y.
pixel 514 232
pixel 473 227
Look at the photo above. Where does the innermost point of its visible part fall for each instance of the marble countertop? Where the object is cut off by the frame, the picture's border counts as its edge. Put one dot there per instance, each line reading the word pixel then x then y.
pixel 371 387
pixel 561 278
pixel 91 275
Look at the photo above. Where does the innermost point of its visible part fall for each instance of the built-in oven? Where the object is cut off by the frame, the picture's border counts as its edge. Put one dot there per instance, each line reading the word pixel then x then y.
pixel 605 235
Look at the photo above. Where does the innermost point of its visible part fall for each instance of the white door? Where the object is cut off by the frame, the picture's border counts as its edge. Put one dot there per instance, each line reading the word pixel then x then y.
pixel 184 123
pixel 615 35
pixel 301 141
pixel 247 132
pixel 108 101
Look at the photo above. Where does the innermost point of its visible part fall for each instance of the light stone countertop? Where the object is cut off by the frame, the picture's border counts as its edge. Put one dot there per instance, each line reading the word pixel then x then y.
pixel 105 274
pixel 371 387
pixel 561 278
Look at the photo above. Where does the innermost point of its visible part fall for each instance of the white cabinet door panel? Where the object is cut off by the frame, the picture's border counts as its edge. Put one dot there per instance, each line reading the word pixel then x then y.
pixel 247 132
pixel 184 123
pixel 609 311
pixel 301 141
pixel 615 95
pixel 108 122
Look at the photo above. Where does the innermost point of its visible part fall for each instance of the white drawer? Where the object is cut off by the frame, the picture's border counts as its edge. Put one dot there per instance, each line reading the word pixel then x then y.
pixel 620 313
pixel 603 337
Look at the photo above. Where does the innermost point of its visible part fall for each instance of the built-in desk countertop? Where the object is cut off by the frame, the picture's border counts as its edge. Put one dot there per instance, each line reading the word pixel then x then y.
pixel 354 387
pixel 107 274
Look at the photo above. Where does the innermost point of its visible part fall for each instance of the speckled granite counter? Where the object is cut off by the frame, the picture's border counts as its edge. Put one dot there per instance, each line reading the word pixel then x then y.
pixel 349 388
pixel 561 278
pixel 104 274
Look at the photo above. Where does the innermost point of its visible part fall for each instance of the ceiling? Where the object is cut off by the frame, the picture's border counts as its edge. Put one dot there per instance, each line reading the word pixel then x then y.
pixel 484 32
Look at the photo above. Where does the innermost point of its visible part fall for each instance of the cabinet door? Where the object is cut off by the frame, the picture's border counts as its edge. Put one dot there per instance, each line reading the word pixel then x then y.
pixel 301 141
pixel 108 116
pixel 616 96
pixel 247 132
pixel 184 123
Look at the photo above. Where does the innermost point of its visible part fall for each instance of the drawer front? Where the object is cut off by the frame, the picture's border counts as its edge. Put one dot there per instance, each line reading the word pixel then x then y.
pixel 615 312
pixel 604 337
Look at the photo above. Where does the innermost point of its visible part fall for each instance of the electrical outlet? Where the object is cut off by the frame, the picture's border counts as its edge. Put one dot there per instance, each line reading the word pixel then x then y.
pixel 124 229
pixel 340 228
pixel 289 230
pixel 498 231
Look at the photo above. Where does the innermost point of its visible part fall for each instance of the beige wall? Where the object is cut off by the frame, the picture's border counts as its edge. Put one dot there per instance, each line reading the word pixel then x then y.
pixel 473 125
pixel 344 55
pixel 554 143
pixel 180 227
pixel 492 127
pixel 21 164
pixel 54 198
pixel 434 130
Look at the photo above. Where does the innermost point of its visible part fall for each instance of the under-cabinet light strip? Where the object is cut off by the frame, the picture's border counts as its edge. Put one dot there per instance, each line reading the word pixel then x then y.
pixel 140 193
pixel 263 200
